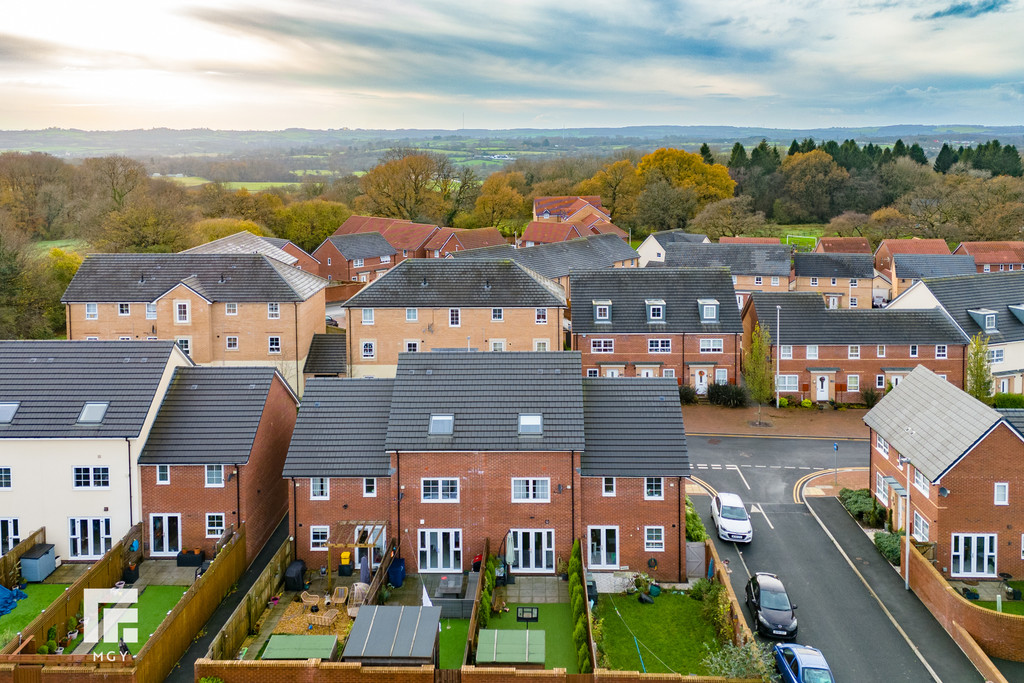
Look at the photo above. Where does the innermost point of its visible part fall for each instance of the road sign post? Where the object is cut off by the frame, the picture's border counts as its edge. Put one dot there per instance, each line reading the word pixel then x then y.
pixel 835 449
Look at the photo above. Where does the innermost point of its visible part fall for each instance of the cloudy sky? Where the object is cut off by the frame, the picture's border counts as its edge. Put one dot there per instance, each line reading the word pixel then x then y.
pixel 112 64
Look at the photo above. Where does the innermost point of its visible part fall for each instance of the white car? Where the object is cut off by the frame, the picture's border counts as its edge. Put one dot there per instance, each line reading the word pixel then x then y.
pixel 731 518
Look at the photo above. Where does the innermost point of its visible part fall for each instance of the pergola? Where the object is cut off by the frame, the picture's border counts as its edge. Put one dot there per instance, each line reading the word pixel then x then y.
pixel 370 535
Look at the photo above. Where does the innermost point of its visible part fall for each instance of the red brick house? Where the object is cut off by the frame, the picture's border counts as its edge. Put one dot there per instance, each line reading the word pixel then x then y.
pixel 409 239
pixel 449 240
pixel 657 322
pixel 835 354
pixel 303 260
pixel 568 209
pixel 547 232
pixel 887 248
pixel 994 257
pixel 843 245
pixel 754 267
pixel 528 454
pixel 361 257
pixel 953 459
pixel 214 457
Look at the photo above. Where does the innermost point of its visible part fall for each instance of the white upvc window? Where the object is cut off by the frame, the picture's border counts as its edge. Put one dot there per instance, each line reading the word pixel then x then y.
pixel 853 352
pixel 439 490
pixel 853 382
pixel 786 351
pixel 214 476
pixel 150 311
pixel 654 488
pixel 185 344
pixel 541 316
pixel 659 346
pixel 913 350
pixel 328 260
pixel 540 344
pixel 711 346
pixel 124 309
pixel 163 474
pixel 274 344
pixel 812 352
pixel 273 311
pixel 853 282
pixel 182 313
pixel 531 423
pixel 369 487
pixel 757 280
pixel 10 535
pixel 412 315
pixel 412 346
pixel 367 316
pixel 654 538
pixel 231 343
pixel 1002 495
pixel 608 487
pixel 319 488
pixel 853 302
pixel 940 351
pixel 920 527
pixel 385 259
pixel 834 282
pixel 995 355
pixel 454 317
pixel 497 315
pixel 231 309
pixel 497 345
pixel 601 312
pixel 921 482
pixel 814 282
pixel 526 490
pixel 881 488
pixel 775 280
pixel 368 350
pixel 441 425
pixel 881 445
pixel 214 524
pixel 357 263
pixel 92 311
pixel 593 372
pixel 602 346
pixel 880 351
pixel 973 555
pixel 668 372
pixel 787 383
pixel 318 537
pixel 92 478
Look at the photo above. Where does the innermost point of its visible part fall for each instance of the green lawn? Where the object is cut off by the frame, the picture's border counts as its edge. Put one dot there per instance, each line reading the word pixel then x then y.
pixel 40 595
pixel 671 630
pixel 453 642
pixel 556 622
pixel 154 604
pixel 43 248
pixel 1009 606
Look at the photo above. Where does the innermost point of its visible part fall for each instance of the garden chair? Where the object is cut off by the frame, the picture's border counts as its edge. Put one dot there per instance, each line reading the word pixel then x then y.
pixel 340 595
pixel 309 599
pixel 323 618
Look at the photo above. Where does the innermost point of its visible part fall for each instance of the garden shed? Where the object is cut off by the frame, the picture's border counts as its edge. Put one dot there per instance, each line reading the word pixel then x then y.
pixel 383 635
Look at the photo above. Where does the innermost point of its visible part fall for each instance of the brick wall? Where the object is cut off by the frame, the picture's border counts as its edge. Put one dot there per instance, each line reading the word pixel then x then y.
pixel 342 269
pixel 346 505
pixel 305 262
pixel 841 289
pixel 631 354
pixel 188 496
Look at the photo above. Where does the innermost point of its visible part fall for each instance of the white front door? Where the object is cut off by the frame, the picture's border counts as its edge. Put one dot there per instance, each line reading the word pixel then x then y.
pixel 90 537
pixel 611 372
pixel 896 380
pixel 440 550
pixel 821 388
pixel 1004 386
pixel 647 372
pixel 604 547
pixel 701 383
pixel 164 534
pixel 833 302
pixel 534 550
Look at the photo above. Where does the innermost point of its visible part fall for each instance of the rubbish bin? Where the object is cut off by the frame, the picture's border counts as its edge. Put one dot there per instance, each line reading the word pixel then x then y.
pixel 396 572
pixel 345 568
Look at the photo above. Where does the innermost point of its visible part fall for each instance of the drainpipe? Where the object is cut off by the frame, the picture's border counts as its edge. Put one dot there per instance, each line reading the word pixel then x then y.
pixel 681 522
pixel 295 518
pixel 67 318
pixel 572 480
pixel 131 511
pixel 298 372
pixel 238 497
pixel 398 498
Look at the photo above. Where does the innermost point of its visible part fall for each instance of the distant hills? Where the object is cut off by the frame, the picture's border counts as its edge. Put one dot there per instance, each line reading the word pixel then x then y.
pixel 160 142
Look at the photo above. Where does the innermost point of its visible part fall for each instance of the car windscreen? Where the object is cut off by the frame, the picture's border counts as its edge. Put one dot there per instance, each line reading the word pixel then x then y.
pixel 730 512
pixel 816 676
pixel 774 600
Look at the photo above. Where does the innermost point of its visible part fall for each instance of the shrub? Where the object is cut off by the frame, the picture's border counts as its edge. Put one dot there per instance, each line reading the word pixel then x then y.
pixel 579 633
pixel 687 395
pixel 1001 400
pixel 889 545
pixel 51 645
pixel 728 395
pixel 715 610
pixel 51 633
pixel 783 402
pixel 43 650
pixel 870 397
pixel 699 589
pixel 863 506
pixel 583 659
pixel 751 660
pixel 695 530
pixel 806 403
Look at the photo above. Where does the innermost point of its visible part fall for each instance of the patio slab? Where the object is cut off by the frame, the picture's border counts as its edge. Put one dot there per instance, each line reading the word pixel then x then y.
pixel 536 589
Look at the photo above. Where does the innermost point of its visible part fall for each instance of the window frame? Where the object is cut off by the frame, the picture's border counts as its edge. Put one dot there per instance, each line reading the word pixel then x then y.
pixel 879 381
pixel 526 424
pixel 273 348
pixel 814 282
pixel 853 382
pixel 882 446
pixel 223 524
pixel 996 355
pixel 913 350
pixel 921 482
pixel 316 544
pixel 439 418
pixel 660 487
pixel 497 315
pixel 150 311
pixel 783 383
pixel 604 487
pixel 786 351
pixel 598 309
pixel 654 545
pixel 775 280
pixel 602 346
pixel 273 310
pixel 853 352
pixel 659 345
pixel 368 345
pixel 440 483
pixel 369 487
pixel 811 355
pixel 210 470
pixel 532 490
pixel 181 307
pixel 454 317
pixel 358 263
pixel 412 346
pixel 367 316
pixel 880 350
pixel 941 351
pixel 414 317
pixel 124 310
pixel 319 488
pixel 163 475
pixel 92 311
pixel 714 345
pixel 231 343
pixel 920 522
pixel 91 477
pixel 1005 488
pixel 540 316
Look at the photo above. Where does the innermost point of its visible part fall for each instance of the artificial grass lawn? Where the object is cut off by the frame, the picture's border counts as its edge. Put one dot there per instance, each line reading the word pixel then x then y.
pixel 1009 606
pixel 153 605
pixel 453 642
pixel 40 595
pixel 671 629
pixel 555 619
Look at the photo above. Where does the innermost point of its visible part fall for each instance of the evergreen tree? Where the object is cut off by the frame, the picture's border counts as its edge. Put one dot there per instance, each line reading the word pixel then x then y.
pixel 764 157
pixel 793 148
pixel 758 369
pixel 738 158
pixel 706 154
pixel 918 155
pixel 945 159
pixel 979 370
pixel 808 145
pixel 899 150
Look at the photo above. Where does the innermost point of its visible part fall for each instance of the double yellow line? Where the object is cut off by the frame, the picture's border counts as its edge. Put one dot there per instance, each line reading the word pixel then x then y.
pixel 704 485
pixel 798 488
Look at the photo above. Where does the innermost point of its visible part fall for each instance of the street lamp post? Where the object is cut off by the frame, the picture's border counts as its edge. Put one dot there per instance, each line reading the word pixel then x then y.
pixel 904 461
pixel 778 353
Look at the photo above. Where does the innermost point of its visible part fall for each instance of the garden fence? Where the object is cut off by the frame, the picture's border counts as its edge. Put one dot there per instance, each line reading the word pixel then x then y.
pixel 9 572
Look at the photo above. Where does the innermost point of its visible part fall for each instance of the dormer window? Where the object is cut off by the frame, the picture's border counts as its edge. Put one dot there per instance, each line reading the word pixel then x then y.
pixel 985 318
pixel 7 411
pixel 602 311
pixel 990 322
pixel 708 310
pixel 92 413
pixel 531 423
pixel 655 310
pixel 441 425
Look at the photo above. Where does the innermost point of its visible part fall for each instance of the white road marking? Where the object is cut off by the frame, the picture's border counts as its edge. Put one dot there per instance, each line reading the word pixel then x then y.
pixel 733 467
pixel 757 508
pixel 761 466
pixel 743 562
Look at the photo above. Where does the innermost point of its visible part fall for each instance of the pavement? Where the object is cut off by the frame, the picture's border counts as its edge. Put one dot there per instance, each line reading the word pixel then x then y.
pixel 795 423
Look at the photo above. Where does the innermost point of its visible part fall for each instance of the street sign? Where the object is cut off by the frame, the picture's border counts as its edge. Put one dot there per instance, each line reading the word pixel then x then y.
pixel 835 446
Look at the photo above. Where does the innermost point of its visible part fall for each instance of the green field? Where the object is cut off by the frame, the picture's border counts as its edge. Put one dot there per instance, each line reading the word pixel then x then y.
pixel 42 248
pixel 40 595
pixel 555 619
pixel 670 635
pixel 154 604
pixel 257 186
pixel 453 642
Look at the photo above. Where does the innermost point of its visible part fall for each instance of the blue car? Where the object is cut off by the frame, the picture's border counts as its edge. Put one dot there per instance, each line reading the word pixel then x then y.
pixel 801 664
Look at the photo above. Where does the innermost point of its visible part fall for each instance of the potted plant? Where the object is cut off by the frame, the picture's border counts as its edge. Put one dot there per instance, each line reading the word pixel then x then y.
pixel 562 569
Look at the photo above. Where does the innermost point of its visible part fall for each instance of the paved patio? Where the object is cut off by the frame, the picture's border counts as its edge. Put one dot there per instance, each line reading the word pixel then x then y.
pixel 535 590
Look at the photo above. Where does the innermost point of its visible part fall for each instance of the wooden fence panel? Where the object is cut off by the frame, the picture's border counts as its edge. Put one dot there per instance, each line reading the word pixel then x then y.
pixel 472 636
pixel 379 577
pixel 9 562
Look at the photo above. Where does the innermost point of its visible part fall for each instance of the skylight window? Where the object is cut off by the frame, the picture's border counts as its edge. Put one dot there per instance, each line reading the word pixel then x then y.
pixel 7 411
pixel 441 425
pixel 531 423
pixel 92 413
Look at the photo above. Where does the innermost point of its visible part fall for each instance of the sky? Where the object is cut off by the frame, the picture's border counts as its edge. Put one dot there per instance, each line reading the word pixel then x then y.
pixel 450 64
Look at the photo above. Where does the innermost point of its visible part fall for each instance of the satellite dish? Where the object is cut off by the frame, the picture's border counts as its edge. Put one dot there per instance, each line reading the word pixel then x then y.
pixel 943 491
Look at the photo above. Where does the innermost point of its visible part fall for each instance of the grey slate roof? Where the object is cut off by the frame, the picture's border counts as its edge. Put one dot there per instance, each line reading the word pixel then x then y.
pixel 629 288
pixel 217 277
pixel 666 237
pixel 244 243
pixel 1015 416
pixel 833 264
pixel 994 291
pixel 557 259
pixel 362 245
pixel 918 266
pixel 470 283
pixel 328 354
pixel 209 416
pixel 806 320
pixel 742 259
pixel 53 380
pixel 616 411
pixel 340 429
pixel 486 392
pixel 930 421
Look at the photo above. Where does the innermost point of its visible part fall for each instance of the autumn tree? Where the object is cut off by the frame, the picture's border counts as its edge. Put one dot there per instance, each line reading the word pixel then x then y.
pixel 309 223
pixel 978 382
pixel 117 175
pixel 728 217
pixel 758 368
pixel 618 185
pixel 400 188
pixel 810 180
pixel 681 169
pixel 662 206
pixel 501 200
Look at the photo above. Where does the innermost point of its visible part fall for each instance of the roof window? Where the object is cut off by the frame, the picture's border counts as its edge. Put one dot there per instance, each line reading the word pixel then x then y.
pixel 441 425
pixel 655 310
pixel 531 423
pixel 92 413
pixel 7 411
pixel 708 310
